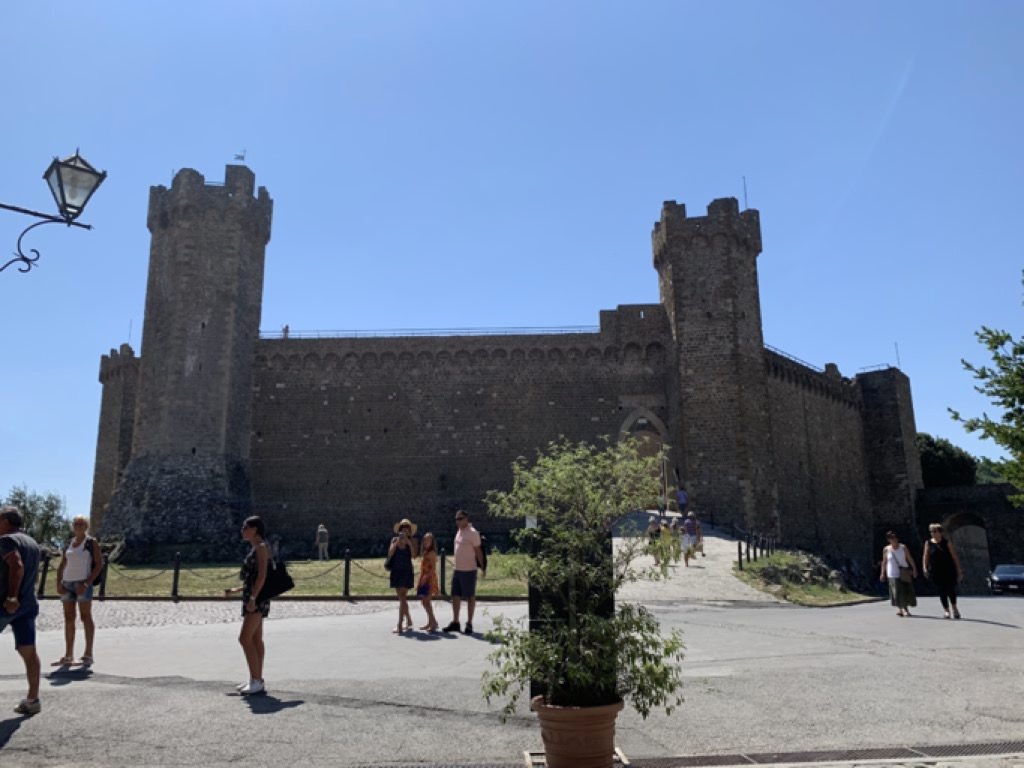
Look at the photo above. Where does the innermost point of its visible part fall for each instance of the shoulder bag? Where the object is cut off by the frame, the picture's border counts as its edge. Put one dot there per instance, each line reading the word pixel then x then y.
pixel 277 582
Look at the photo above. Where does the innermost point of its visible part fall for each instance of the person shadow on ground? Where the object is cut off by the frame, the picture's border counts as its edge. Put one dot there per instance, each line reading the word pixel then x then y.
pixel 966 620
pixel 8 728
pixel 66 675
pixel 265 704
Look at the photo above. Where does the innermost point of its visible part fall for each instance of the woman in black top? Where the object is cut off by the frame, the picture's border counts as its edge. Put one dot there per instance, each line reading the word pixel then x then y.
pixel 254 611
pixel 400 555
pixel 942 566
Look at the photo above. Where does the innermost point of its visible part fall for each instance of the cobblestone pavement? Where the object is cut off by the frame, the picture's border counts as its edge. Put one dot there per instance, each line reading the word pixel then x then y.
pixel 114 614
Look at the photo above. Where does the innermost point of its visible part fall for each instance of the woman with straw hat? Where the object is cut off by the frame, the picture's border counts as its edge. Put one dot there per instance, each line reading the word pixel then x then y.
pixel 400 555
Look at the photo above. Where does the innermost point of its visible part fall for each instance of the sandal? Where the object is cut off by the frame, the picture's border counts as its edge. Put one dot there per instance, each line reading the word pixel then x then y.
pixel 86 661
pixel 65 661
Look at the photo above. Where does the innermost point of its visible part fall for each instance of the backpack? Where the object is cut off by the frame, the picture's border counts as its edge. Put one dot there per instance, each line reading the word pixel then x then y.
pixel 88 544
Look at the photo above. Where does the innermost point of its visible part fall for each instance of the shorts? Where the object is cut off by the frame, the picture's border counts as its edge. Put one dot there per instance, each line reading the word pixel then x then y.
pixel 689 541
pixel 22 623
pixel 71 593
pixel 262 608
pixel 464 584
pixel 423 590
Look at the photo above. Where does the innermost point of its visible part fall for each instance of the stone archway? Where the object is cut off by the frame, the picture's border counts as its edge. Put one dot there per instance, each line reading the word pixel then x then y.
pixel 969 535
pixel 641 423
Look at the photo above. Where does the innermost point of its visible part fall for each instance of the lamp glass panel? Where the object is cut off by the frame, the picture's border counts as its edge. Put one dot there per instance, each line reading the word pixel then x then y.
pixel 78 185
pixel 53 179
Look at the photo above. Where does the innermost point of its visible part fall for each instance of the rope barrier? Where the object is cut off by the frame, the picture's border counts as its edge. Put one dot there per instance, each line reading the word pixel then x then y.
pixel 121 573
pixel 360 566
pixel 319 575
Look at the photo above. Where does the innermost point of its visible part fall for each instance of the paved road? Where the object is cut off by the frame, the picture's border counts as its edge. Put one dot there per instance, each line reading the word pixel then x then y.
pixel 345 691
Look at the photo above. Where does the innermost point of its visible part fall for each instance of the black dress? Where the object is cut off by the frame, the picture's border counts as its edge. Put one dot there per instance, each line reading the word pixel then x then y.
pixel 250 572
pixel 941 567
pixel 401 568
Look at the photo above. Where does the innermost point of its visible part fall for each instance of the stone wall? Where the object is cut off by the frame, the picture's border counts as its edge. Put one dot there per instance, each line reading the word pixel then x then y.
pixel 358 433
pixel 818 444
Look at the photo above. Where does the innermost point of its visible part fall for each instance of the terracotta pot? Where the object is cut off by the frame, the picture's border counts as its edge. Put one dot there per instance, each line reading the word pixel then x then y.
pixel 577 737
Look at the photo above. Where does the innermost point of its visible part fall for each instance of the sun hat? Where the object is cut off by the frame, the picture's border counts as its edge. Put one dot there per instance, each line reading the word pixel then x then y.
pixel 408 522
pixel 691 513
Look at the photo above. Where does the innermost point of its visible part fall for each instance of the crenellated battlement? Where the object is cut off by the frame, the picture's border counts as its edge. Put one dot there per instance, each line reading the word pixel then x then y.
pixel 723 219
pixel 117 362
pixel 371 357
pixel 191 201
pixel 829 384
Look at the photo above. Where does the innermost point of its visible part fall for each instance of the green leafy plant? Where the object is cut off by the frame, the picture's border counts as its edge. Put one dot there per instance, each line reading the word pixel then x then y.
pixel 46 517
pixel 1003 383
pixel 581 651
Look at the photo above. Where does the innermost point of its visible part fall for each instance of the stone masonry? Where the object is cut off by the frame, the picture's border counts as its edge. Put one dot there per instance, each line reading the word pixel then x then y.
pixel 359 432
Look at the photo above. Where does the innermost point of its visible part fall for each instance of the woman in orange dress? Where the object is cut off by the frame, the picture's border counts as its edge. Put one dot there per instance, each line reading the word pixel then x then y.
pixel 427 587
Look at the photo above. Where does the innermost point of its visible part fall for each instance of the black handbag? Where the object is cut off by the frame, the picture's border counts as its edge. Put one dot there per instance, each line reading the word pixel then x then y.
pixel 277 582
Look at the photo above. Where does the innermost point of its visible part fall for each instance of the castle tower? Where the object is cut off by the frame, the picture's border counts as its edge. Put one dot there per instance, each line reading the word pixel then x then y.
pixel 187 483
pixel 119 375
pixel 894 464
pixel 707 270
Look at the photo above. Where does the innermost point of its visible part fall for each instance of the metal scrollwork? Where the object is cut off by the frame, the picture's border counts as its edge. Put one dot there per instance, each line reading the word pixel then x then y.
pixel 27 262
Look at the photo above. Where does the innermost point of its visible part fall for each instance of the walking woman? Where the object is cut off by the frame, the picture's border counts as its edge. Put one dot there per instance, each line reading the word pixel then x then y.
pixel 427 587
pixel 254 610
pixel 400 555
pixel 900 570
pixel 80 565
pixel 942 566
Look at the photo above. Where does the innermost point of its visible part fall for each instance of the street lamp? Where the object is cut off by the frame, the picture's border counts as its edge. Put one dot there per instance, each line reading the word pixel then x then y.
pixel 72 181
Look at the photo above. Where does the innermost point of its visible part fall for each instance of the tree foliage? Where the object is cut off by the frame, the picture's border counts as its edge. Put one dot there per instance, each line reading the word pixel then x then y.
pixel 990 471
pixel 944 464
pixel 45 514
pixel 1002 381
pixel 584 654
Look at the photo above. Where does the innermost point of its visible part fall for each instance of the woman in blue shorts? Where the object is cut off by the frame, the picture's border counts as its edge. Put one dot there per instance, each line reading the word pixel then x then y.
pixel 81 563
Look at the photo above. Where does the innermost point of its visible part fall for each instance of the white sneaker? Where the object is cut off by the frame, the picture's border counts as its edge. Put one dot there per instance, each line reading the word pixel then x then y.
pixel 252 687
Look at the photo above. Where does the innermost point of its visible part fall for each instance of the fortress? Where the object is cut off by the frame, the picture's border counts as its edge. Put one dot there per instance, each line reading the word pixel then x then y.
pixel 214 422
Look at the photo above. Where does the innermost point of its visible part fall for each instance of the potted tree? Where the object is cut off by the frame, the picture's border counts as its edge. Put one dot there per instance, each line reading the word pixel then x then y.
pixel 588 658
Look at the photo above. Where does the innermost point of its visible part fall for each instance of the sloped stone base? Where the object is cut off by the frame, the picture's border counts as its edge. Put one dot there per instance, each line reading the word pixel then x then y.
pixel 189 504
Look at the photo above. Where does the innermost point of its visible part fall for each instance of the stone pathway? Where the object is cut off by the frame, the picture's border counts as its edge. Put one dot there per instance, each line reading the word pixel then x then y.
pixel 709 580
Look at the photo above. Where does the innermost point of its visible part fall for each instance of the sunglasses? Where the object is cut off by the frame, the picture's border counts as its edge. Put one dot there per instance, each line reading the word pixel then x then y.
pixel 458 517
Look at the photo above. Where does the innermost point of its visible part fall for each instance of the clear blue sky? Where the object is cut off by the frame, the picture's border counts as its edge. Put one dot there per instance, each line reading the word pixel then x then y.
pixel 441 164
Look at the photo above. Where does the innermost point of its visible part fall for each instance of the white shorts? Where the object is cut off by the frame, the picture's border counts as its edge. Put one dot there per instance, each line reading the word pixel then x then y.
pixel 689 541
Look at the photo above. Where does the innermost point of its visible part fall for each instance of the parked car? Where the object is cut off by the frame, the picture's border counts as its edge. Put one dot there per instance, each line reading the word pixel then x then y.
pixel 1006 579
